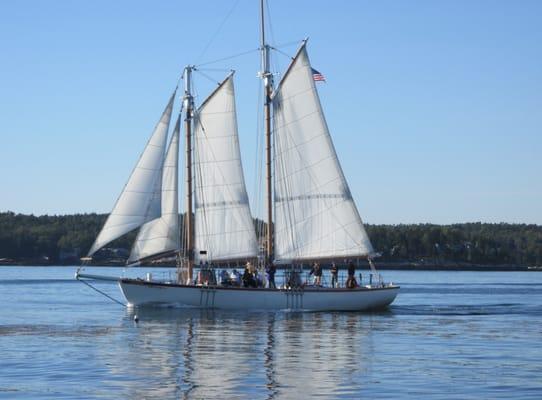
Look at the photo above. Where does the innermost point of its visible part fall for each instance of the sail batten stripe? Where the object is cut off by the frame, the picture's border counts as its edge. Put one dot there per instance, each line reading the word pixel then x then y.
pixel 293 121
pixel 221 204
pixel 343 196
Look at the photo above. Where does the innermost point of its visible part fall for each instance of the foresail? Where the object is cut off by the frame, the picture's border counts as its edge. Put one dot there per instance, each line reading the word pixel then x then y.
pixel 139 201
pixel 162 235
pixel 223 223
pixel 315 216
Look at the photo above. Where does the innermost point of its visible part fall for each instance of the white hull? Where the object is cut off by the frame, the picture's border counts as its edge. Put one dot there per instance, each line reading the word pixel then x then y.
pixel 142 293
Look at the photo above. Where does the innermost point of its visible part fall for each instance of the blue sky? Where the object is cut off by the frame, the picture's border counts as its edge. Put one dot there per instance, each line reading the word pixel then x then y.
pixel 435 107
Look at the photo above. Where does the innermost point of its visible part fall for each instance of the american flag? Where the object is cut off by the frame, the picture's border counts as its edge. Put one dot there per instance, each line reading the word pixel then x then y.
pixel 317 76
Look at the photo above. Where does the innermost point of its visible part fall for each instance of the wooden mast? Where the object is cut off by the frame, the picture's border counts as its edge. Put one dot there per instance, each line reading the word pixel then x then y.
pixel 189 224
pixel 268 87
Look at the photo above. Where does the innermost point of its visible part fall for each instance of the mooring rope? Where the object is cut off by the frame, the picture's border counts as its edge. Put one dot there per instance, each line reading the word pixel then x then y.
pixel 102 293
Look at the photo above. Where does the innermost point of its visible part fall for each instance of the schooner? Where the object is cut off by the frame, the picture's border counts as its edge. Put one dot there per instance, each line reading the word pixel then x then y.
pixel 311 215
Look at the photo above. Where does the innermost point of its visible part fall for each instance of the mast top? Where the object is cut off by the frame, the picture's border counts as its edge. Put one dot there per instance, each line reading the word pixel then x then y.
pixel 187 77
pixel 265 73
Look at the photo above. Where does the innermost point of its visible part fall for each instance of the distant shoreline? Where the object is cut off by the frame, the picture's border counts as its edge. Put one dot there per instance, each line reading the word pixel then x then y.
pixel 380 266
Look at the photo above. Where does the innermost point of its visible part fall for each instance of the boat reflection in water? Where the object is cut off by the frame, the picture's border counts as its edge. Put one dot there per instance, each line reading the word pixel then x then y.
pixel 200 353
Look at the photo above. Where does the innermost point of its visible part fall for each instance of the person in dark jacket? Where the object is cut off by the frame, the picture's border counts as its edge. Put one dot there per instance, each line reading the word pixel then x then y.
pixel 271 269
pixel 351 281
pixel 248 279
pixel 334 275
pixel 317 272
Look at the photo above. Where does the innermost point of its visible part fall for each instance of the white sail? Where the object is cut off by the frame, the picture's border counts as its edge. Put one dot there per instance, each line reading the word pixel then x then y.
pixel 223 223
pixel 162 235
pixel 139 201
pixel 315 216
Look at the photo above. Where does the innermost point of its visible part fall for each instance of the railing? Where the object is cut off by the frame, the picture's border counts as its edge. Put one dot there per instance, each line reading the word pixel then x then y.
pixel 283 278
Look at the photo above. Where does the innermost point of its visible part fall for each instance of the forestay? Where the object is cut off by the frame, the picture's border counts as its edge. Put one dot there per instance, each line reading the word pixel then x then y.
pixel 315 216
pixel 139 201
pixel 162 235
pixel 223 223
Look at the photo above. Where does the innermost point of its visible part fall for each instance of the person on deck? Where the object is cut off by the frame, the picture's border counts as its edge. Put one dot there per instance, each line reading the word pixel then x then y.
pixel 351 281
pixel 317 272
pixel 225 278
pixel 271 269
pixel 334 275
pixel 248 278
pixel 293 279
pixel 235 278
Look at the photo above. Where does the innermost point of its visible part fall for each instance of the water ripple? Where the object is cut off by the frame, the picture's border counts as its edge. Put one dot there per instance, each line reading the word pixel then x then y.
pixel 448 335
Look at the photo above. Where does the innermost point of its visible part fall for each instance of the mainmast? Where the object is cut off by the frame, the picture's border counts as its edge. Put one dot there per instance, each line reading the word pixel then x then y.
pixel 267 77
pixel 189 223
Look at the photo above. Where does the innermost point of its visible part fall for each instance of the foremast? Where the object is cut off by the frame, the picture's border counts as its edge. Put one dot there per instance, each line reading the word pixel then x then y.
pixel 267 78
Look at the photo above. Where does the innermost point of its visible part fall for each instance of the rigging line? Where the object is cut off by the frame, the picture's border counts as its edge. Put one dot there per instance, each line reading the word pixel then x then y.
pixel 258 182
pixel 205 223
pixel 290 211
pixel 274 61
pixel 229 57
pixel 215 69
pixel 207 77
pixel 199 189
pixel 282 45
pixel 180 190
pixel 282 52
pixel 102 293
pixel 269 21
pixel 215 34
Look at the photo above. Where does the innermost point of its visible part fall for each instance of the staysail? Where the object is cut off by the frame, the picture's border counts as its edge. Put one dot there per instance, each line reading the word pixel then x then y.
pixel 139 201
pixel 223 223
pixel 162 235
pixel 315 216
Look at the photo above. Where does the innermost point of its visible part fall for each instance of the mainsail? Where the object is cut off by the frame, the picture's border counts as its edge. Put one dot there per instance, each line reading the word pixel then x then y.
pixel 315 216
pixel 162 235
pixel 139 201
pixel 223 223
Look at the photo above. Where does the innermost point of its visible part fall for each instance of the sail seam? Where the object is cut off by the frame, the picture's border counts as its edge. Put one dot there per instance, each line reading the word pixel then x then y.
pixel 216 137
pixel 308 244
pixel 279 127
pixel 313 196
pixel 222 233
pixel 288 99
pixel 219 161
pixel 307 168
pixel 222 203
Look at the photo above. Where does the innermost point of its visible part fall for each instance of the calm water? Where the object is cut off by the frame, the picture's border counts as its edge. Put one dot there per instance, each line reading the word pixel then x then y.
pixel 448 335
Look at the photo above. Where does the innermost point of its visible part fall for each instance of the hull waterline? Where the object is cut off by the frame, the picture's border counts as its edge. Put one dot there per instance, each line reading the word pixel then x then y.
pixel 144 293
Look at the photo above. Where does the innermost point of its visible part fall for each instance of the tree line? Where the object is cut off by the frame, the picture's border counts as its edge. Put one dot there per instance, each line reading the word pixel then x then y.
pixel 51 238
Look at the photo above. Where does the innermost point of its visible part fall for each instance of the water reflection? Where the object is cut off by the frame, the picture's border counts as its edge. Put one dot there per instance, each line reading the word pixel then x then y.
pixel 443 338
pixel 269 359
pixel 190 353
pixel 188 384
